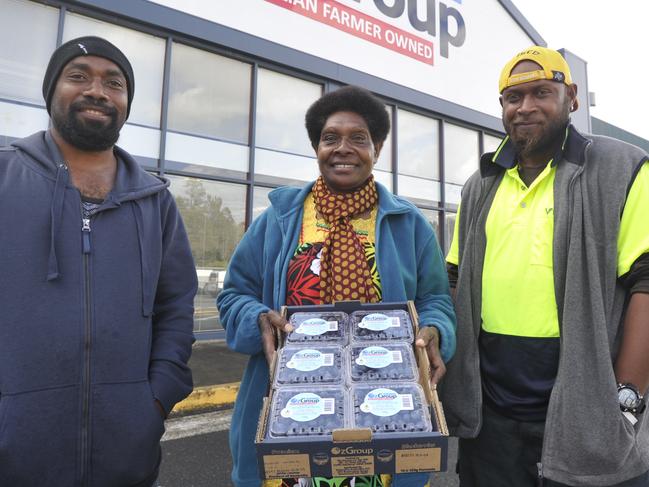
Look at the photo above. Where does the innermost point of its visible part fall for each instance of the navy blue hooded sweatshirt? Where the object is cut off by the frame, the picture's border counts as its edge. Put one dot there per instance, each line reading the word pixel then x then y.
pixel 95 324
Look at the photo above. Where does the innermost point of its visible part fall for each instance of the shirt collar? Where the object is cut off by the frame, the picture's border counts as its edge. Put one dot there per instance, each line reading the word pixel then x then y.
pixel 506 157
pixel 491 164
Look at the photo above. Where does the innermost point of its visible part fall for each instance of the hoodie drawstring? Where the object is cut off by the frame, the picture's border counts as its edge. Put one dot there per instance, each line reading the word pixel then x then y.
pixel 56 211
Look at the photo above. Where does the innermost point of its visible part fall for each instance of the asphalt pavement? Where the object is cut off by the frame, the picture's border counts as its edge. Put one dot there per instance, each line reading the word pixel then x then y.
pixel 196 461
pixel 212 363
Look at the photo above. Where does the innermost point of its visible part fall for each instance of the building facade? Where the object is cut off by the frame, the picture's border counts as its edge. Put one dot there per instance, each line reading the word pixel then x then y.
pixel 222 88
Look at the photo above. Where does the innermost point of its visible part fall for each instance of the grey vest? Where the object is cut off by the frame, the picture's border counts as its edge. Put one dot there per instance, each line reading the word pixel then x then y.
pixel 587 439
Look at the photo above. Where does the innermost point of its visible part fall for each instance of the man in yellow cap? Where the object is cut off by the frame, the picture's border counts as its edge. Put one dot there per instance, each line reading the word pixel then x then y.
pixel 550 262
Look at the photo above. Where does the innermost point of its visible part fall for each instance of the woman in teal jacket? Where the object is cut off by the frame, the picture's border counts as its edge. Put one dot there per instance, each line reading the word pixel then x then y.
pixel 347 129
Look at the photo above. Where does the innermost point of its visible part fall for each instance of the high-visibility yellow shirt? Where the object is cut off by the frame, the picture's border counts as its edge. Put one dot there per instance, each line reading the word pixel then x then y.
pixel 518 284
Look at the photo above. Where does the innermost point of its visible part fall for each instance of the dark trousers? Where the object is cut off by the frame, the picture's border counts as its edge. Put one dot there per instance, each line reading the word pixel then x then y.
pixel 506 454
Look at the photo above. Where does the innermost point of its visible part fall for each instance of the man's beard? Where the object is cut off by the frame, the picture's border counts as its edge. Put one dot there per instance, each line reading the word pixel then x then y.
pixel 87 135
pixel 540 143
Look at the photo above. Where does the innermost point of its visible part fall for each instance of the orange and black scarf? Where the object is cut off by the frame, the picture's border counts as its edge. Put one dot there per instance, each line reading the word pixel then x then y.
pixel 344 272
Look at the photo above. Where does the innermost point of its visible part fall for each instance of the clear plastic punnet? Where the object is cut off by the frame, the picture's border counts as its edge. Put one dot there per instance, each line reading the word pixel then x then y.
pixel 381 325
pixel 390 408
pixel 382 362
pixel 318 327
pixel 308 411
pixel 310 364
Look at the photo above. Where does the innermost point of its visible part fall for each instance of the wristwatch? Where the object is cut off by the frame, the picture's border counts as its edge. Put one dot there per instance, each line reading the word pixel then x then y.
pixel 630 398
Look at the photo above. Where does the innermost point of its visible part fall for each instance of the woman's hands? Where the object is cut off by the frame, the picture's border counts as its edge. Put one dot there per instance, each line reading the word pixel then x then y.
pixel 269 324
pixel 428 338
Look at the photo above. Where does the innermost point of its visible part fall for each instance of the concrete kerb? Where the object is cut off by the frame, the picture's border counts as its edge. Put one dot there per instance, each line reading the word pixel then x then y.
pixel 221 396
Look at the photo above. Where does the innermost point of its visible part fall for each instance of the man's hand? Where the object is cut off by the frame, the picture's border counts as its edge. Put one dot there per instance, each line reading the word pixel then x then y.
pixel 428 338
pixel 269 324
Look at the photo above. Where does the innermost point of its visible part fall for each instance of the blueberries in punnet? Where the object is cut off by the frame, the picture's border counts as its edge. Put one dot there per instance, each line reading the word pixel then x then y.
pixel 382 361
pixel 307 411
pixel 310 364
pixel 381 325
pixel 318 327
pixel 391 408
pixel 310 396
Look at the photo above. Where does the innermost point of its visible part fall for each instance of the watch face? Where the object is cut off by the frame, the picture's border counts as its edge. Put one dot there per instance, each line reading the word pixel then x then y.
pixel 628 398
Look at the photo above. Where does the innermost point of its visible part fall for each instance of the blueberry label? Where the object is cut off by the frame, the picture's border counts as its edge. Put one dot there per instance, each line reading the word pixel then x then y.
pixel 316 326
pixel 309 360
pixel 307 406
pixel 386 402
pixel 378 357
pixel 379 322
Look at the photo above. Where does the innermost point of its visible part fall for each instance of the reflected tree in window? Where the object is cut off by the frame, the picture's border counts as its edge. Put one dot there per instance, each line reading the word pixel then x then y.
pixel 213 230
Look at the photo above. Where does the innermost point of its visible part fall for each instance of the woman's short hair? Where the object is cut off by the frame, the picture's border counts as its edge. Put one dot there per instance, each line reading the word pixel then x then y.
pixel 348 99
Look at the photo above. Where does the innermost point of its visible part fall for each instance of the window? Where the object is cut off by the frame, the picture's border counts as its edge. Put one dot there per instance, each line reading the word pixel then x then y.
pixel 27 40
pixel 282 102
pixel 449 230
pixel 433 218
pixel 384 162
pixel 284 154
pixel 209 95
pixel 214 216
pixel 145 53
pixel 417 142
pixel 461 155
pixel 260 201
pixel 490 143
pixel 461 159
pixel 417 145
pixel 272 167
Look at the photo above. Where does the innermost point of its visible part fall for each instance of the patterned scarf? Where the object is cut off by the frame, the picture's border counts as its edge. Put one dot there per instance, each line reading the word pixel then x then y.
pixel 344 272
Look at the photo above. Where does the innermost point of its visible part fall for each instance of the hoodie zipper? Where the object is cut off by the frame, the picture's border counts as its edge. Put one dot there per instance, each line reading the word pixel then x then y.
pixel 85 419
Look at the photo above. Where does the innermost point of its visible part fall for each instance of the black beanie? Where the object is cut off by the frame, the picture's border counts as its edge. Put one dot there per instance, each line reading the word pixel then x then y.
pixel 85 46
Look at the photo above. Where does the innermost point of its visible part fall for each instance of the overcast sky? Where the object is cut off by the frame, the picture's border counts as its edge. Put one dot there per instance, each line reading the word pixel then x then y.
pixel 613 37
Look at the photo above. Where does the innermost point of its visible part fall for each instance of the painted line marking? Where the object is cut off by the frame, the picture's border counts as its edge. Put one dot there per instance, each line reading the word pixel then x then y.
pixel 198 424
pixel 209 397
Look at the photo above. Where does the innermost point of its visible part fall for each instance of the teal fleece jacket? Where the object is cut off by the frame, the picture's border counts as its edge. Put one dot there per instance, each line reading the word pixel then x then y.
pixel 411 266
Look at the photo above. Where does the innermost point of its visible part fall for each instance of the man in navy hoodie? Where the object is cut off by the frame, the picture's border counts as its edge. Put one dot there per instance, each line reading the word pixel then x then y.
pixel 96 289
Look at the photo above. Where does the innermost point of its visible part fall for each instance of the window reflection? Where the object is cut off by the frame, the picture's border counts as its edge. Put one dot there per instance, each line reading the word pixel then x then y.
pixel 214 216
pixel 291 169
pixel 25 52
pixel 209 94
pixel 449 230
pixel 17 120
pixel 202 155
pixel 146 54
pixel 452 195
pixel 461 153
pixel 418 190
pixel 384 163
pixel 490 143
pixel 260 201
pixel 433 218
pixel 417 141
pixel 282 101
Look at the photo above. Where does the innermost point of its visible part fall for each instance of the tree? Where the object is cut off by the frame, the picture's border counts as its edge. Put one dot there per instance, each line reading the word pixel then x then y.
pixel 212 230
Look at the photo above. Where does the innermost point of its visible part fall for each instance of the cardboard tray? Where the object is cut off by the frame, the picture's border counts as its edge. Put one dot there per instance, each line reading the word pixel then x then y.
pixel 356 451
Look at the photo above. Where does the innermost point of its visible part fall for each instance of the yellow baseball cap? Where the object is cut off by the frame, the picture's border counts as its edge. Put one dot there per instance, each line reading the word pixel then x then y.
pixel 555 68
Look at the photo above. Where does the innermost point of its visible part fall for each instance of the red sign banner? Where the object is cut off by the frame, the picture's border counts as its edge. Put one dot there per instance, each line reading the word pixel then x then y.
pixel 348 20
